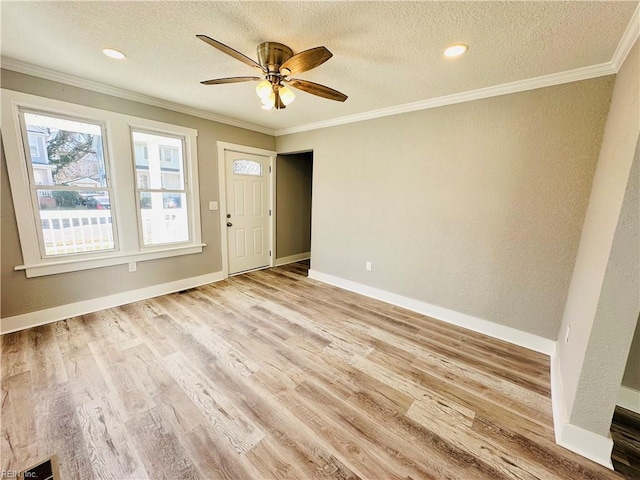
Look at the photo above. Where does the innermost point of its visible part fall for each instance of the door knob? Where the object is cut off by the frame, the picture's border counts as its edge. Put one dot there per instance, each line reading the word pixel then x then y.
pixel 229 224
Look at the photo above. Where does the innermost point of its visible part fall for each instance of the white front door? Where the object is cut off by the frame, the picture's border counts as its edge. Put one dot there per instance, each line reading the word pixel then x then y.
pixel 247 215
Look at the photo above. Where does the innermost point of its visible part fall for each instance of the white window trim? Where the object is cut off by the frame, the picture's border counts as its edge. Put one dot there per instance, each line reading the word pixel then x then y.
pixel 118 138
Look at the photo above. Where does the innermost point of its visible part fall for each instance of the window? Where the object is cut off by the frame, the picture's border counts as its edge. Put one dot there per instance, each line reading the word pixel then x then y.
pixel 247 167
pixel 77 204
pixel 66 200
pixel 34 151
pixel 162 190
pixel 141 154
pixel 170 154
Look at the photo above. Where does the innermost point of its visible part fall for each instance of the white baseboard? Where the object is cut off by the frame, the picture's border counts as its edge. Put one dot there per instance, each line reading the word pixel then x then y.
pixel 629 398
pixel 292 258
pixel 583 442
pixel 48 315
pixel 588 444
pixel 495 330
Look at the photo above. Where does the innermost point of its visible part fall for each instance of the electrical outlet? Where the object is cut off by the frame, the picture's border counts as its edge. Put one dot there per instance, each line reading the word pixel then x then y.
pixel 133 266
pixel 367 266
pixel 566 337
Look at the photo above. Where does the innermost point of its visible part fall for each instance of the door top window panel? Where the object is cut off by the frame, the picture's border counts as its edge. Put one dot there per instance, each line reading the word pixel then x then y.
pixel 247 167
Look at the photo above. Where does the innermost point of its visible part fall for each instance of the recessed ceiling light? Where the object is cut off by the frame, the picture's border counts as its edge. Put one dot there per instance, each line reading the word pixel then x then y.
pixel 113 53
pixel 455 50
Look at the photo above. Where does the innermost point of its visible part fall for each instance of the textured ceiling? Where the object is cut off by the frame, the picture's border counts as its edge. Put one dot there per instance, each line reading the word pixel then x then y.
pixel 385 53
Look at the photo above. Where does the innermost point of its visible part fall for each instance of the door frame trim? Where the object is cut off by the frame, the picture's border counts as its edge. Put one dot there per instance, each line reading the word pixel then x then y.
pixel 222 198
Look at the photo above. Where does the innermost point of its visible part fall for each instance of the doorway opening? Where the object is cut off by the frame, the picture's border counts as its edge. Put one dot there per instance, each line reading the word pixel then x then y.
pixel 294 187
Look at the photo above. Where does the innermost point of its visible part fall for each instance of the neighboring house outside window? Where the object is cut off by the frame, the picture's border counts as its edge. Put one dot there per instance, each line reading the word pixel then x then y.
pixel 42 170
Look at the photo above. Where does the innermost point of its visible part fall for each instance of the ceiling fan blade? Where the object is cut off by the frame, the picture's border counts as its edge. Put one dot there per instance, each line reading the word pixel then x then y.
pixel 303 61
pixel 219 81
pixel 230 51
pixel 317 89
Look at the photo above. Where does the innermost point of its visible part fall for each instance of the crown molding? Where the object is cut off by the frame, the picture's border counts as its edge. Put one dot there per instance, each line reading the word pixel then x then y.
pixel 568 76
pixel 55 76
pixel 628 40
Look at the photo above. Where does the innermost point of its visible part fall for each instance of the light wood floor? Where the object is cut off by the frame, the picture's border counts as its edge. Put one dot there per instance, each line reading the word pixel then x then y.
pixel 271 375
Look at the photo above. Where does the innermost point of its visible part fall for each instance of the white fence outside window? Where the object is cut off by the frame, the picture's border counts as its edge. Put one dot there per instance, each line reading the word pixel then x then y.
pixel 73 230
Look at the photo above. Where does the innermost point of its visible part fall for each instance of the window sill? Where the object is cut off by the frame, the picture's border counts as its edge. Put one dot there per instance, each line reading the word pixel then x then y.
pixel 75 264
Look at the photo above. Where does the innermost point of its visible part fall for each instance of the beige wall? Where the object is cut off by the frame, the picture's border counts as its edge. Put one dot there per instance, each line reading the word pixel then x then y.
pixel 22 295
pixel 293 204
pixel 591 363
pixel 475 207
pixel 631 377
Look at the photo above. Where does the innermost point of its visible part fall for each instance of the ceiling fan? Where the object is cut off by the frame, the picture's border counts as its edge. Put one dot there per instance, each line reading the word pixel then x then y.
pixel 276 63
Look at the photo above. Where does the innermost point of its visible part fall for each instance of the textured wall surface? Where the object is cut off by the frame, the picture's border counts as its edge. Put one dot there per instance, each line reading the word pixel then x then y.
pixel 605 203
pixel 22 295
pixel 475 207
pixel 293 204
pixel 615 319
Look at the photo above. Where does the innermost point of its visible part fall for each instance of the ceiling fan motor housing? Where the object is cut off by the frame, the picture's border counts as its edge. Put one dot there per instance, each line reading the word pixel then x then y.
pixel 272 54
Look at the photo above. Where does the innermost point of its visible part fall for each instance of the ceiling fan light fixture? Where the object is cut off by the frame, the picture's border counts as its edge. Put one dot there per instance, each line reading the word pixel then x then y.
pixel 269 101
pixel 286 95
pixel 264 89
pixel 455 50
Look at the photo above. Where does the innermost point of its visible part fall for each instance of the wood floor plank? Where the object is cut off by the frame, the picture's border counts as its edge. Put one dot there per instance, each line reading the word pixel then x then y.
pixel 560 464
pixel 141 318
pixel 295 440
pixel 214 457
pixel 15 352
pixel 46 363
pixel 85 378
pixel 126 392
pixel 18 447
pixel 222 415
pixel 59 432
pixel 271 375
pixel 111 450
pixel 466 440
pixel 450 461
pixel 433 402
pixel 161 451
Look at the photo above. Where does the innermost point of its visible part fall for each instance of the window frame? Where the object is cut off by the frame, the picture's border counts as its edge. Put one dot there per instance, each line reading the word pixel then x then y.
pixel 118 145
pixel 186 174
pixel 33 187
